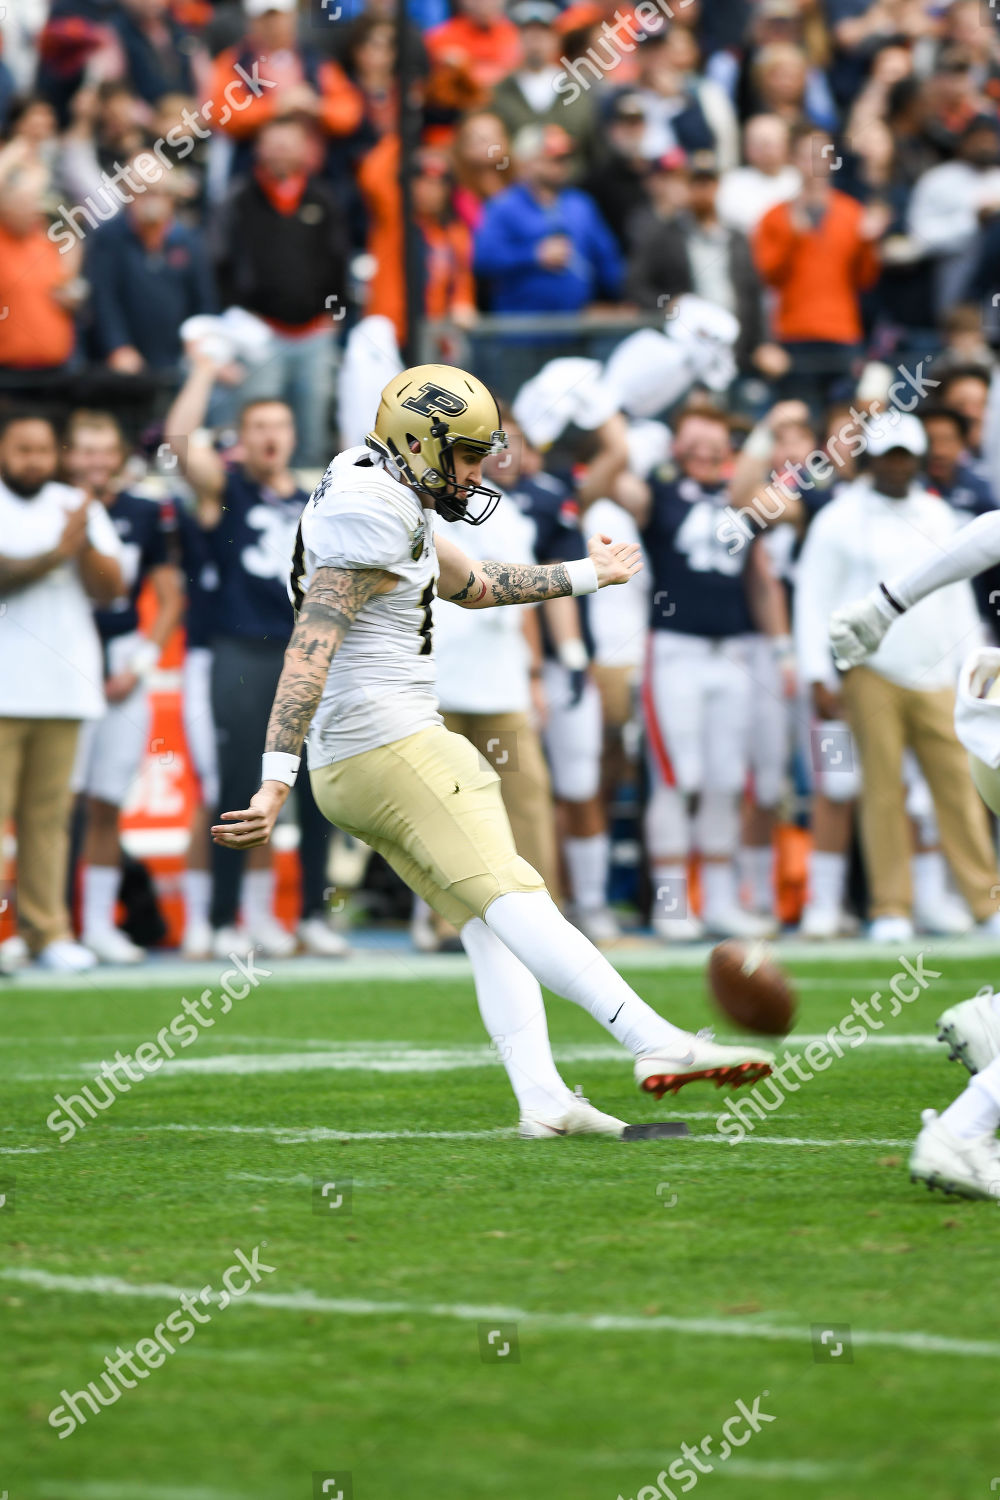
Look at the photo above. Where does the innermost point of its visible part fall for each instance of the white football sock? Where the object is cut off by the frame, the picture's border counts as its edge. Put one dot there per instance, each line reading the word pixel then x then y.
pixel 197 888
pixel 510 1003
pixel 827 880
pixel 718 889
pixel 100 892
pixel 670 889
pixel 928 872
pixel 587 868
pixel 258 898
pixel 756 863
pixel 559 956
pixel 976 1112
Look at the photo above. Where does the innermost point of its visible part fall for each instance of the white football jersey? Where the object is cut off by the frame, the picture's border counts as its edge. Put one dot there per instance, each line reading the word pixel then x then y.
pixel 380 686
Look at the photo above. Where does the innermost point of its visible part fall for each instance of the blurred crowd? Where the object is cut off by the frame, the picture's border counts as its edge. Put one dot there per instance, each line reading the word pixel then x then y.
pixel 203 284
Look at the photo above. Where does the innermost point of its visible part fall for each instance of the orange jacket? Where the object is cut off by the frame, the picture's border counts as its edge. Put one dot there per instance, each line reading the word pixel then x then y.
pixel 35 333
pixel 241 112
pixel 447 247
pixel 488 53
pixel 817 275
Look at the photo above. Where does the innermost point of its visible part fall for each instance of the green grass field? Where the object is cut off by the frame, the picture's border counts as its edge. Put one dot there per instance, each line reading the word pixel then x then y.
pixel 651 1285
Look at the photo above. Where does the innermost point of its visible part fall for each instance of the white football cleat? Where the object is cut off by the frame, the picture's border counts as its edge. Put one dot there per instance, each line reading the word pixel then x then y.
pixel 197 940
pixel 112 946
pixel 599 924
pixel 972 1031
pixel 969 1168
pixel 67 957
pixel 273 940
pixel 226 940
pixel 824 923
pixel 702 1057
pixel 319 938
pixel 579 1118
pixel 890 930
pixel 678 929
pixel 738 923
pixel 949 918
pixel 14 955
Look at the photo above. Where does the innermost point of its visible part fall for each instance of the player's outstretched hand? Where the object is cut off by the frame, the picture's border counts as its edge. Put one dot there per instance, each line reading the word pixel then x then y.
pixel 251 826
pixel 857 629
pixel 616 562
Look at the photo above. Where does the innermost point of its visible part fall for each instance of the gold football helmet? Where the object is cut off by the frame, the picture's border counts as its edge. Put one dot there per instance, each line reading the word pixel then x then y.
pixel 426 412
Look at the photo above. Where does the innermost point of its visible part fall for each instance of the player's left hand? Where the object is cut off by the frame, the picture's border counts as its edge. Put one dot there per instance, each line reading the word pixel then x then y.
pixel 616 562
pixel 118 687
pixel 253 825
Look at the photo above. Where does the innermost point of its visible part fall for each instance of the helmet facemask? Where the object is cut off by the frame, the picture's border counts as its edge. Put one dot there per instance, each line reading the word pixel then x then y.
pixel 436 482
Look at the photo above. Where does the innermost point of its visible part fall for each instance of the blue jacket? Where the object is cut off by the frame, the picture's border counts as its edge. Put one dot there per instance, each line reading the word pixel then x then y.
pixel 505 253
pixel 141 297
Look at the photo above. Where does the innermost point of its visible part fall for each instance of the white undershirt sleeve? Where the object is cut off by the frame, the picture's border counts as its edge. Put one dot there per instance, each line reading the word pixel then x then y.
pixel 971 550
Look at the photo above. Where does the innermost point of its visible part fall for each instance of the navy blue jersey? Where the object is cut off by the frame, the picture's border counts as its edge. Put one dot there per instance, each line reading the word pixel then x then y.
pixel 201 579
pixel 697 556
pixel 550 503
pixel 143 537
pixel 252 548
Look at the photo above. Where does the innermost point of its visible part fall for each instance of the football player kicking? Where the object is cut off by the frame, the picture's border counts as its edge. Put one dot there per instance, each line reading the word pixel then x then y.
pixel 359 676
pixel 958 1150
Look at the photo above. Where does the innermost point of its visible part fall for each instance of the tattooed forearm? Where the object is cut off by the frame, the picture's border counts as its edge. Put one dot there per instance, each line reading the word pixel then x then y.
pixel 509 583
pixel 328 611
pixel 472 593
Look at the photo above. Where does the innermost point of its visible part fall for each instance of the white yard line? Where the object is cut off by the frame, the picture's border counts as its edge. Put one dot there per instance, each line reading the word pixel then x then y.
pixel 134 1489
pixel 362 1307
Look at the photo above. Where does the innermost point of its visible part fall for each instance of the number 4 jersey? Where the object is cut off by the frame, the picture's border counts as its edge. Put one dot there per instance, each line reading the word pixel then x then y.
pixel 696 560
pixel 381 681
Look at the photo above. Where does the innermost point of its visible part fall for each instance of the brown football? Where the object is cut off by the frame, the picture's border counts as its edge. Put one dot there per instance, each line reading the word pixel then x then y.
pixel 750 988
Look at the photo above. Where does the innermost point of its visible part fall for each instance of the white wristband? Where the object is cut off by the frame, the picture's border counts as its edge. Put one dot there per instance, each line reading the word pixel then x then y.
pixel 582 576
pixel 278 765
pixel 145 658
pixel 573 655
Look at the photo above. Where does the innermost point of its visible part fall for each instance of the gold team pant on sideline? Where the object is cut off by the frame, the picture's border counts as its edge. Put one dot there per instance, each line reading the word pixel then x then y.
pixel 430 804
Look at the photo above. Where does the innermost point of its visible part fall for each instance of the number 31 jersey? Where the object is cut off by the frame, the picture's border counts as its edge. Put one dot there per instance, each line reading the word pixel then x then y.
pixel 697 567
pixel 380 685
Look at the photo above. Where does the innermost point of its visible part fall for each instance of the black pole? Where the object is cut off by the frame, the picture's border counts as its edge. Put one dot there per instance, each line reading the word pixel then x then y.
pixel 409 140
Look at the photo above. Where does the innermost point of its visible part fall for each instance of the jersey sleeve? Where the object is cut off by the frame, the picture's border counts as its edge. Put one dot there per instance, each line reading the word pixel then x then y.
pixel 356 535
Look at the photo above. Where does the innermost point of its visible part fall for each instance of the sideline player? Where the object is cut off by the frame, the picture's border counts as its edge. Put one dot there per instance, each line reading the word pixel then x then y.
pixel 359 670
pixel 958 1150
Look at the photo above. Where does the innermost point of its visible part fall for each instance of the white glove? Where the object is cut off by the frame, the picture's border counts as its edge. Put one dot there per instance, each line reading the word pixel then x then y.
pixel 857 630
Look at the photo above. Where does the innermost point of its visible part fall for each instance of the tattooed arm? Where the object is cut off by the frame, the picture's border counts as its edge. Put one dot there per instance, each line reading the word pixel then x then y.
pixel 482 585
pixel 333 600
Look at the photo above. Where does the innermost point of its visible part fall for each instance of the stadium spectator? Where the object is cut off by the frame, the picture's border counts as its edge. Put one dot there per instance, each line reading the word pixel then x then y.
pixel 282 255
pixel 543 246
pixel 904 695
pixel 950 475
pixel 293 79
pixel 40 288
pixel 681 108
pixel 768 178
pixel 950 205
pixel 481 156
pixel 619 182
pixel 788 26
pixel 147 273
pixel 695 252
pixel 818 252
pixel 249 510
pixel 157 50
pixel 480 38
pixel 527 96
pixel 779 84
pixel 111 749
pixel 58 550
pixel 966 389
pixel 449 290
pixel 368 59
